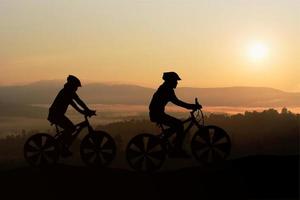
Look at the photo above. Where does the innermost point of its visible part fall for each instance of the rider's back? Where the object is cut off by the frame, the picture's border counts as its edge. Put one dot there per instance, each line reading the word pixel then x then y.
pixel 161 97
pixel 62 101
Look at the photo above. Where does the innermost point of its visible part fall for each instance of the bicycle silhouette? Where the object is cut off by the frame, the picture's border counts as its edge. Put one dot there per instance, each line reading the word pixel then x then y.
pixel 97 148
pixel 147 152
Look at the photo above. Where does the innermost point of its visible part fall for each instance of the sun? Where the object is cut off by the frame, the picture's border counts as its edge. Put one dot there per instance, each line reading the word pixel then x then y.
pixel 257 51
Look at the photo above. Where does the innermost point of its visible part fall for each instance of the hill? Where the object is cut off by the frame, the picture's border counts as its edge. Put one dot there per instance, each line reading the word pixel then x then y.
pixel 44 92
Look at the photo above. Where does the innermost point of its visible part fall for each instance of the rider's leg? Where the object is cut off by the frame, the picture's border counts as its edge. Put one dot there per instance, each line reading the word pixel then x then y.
pixel 68 127
pixel 177 125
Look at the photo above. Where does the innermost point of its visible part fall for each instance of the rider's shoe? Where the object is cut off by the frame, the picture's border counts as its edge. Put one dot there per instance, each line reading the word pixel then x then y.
pixel 66 153
pixel 178 154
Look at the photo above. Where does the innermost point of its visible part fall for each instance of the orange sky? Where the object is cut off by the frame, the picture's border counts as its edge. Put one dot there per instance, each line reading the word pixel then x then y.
pixel 134 41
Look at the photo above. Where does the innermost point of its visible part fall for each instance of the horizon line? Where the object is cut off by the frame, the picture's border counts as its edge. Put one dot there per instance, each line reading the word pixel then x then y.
pixel 88 82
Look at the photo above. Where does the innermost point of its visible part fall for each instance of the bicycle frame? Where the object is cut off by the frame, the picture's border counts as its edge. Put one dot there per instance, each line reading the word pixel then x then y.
pixel 192 121
pixel 79 128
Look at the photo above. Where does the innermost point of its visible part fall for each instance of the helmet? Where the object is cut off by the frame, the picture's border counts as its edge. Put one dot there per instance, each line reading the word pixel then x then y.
pixel 74 81
pixel 169 76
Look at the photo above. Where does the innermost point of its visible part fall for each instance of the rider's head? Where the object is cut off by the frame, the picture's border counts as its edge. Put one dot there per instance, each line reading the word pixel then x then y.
pixel 73 82
pixel 171 79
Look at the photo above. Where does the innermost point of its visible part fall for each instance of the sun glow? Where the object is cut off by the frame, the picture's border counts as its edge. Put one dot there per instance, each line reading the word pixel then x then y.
pixel 257 51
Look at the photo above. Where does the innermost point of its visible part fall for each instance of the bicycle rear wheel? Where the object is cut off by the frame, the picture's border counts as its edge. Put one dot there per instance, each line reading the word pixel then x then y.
pixel 210 144
pixel 41 150
pixel 98 149
pixel 145 153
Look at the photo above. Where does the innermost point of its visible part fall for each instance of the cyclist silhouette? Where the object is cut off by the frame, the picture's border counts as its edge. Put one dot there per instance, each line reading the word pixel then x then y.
pixel 67 96
pixel 161 97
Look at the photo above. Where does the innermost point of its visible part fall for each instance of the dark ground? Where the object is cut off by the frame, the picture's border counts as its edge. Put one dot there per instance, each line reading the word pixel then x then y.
pixel 253 177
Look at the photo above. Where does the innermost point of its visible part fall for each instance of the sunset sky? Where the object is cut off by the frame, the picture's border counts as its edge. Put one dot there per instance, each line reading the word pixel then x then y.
pixel 210 43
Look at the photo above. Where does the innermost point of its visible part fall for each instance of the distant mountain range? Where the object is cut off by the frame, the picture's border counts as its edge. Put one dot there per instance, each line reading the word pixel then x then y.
pixel 43 92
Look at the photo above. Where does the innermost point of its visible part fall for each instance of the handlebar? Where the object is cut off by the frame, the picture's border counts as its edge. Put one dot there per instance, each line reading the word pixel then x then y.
pixel 197 103
pixel 199 110
pixel 86 116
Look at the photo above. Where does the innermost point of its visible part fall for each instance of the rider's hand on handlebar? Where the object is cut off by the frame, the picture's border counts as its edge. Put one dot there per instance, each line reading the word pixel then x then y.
pixel 90 113
pixel 197 106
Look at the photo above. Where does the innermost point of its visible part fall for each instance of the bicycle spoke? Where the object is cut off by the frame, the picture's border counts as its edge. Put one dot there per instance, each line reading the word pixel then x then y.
pixel 139 142
pixel 203 155
pixel 133 154
pixel 34 158
pixel 44 140
pixel 89 144
pixel 138 164
pixel 210 156
pixel 30 148
pixel 156 161
pixel 104 142
pixel 97 139
pixel 50 155
pixel 47 143
pixel 217 137
pixel 218 155
pixel 152 143
pixel 134 147
pixel 145 143
pixel 204 136
pixel 43 160
pixel 224 147
pixel 89 156
pixel 107 156
pixel 199 143
pixel 87 150
pixel 110 151
pixel 201 150
pixel 211 134
pixel 51 148
pixel 149 164
pixel 99 159
pixel 108 144
pixel 155 148
pixel 37 141
pixel 221 140
pixel 158 155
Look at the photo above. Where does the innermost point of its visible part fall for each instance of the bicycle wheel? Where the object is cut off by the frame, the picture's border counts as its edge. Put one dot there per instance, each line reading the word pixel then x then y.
pixel 97 149
pixel 210 144
pixel 145 153
pixel 41 150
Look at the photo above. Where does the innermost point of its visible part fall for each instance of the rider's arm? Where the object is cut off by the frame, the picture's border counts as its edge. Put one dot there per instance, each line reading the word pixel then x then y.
pixel 80 102
pixel 180 103
pixel 74 105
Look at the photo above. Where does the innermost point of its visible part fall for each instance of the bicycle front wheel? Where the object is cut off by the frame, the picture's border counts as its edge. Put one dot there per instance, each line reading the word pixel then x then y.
pixel 98 149
pixel 210 144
